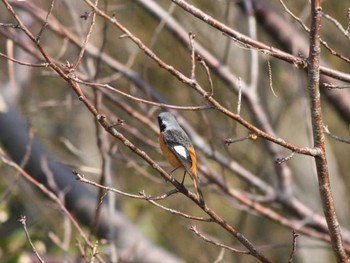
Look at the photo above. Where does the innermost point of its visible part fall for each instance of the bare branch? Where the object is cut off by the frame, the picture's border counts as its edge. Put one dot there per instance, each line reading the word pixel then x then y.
pixel 319 141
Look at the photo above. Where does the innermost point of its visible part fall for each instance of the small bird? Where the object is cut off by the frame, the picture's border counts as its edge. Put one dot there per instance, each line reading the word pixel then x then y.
pixel 178 149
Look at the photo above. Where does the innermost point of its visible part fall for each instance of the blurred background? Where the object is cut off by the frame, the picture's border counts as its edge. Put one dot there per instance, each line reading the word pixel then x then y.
pixel 241 182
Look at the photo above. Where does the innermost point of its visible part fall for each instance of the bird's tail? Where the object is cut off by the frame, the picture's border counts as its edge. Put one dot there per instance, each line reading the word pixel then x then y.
pixel 196 184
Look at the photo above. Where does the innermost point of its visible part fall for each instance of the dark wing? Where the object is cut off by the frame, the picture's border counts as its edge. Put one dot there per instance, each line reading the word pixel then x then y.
pixel 178 141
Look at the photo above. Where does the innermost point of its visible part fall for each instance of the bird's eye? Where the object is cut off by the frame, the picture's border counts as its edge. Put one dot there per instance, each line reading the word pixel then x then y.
pixel 162 125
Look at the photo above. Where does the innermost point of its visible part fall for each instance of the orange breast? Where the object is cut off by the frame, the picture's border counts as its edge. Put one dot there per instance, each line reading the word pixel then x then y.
pixel 172 159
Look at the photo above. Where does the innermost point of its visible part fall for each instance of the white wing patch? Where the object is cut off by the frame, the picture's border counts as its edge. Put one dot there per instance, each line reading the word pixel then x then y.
pixel 181 150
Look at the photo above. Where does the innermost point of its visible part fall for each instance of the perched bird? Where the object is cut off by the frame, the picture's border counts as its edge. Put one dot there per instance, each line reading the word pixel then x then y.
pixel 178 149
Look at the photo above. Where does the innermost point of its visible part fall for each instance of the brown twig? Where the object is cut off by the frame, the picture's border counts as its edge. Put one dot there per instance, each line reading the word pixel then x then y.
pixel 38 37
pixel 294 246
pixel 270 79
pixel 60 193
pixel 332 86
pixel 105 176
pixel 229 141
pixel 9 25
pixel 335 137
pixel 82 179
pixel 285 159
pixel 109 87
pixel 193 55
pixel 86 40
pixel 239 99
pixel 23 222
pixel 194 230
pixel 102 143
pixel 207 71
pixel 173 211
pixel 41 65
pixel 344 31
pixel 254 58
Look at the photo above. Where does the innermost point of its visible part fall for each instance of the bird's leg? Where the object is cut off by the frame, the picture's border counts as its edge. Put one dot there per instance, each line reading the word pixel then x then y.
pixel 174 170
pixel 183 178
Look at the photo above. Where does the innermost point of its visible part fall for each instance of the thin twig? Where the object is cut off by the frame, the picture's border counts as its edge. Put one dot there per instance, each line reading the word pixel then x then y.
pixel 239 99
pixel 107 86
pixel 270 78
pixel 332 86
pixel 294 246
pixel 67 228
pixel 348 17
pixel 254 58
pixel 23 222
pixel 285 159
pixel 41 65
pixel 102 145
pixel 335 137
pixel 207 71
pixel 9 25
pixel 86 40
pixel 38 37
pixel 194 230
pixel 220 257
pixel 11 70
pixel 176 212
pixel 98 67
pixel 82 179
pixel 193 55
pixel 336 23
pixel 229 141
